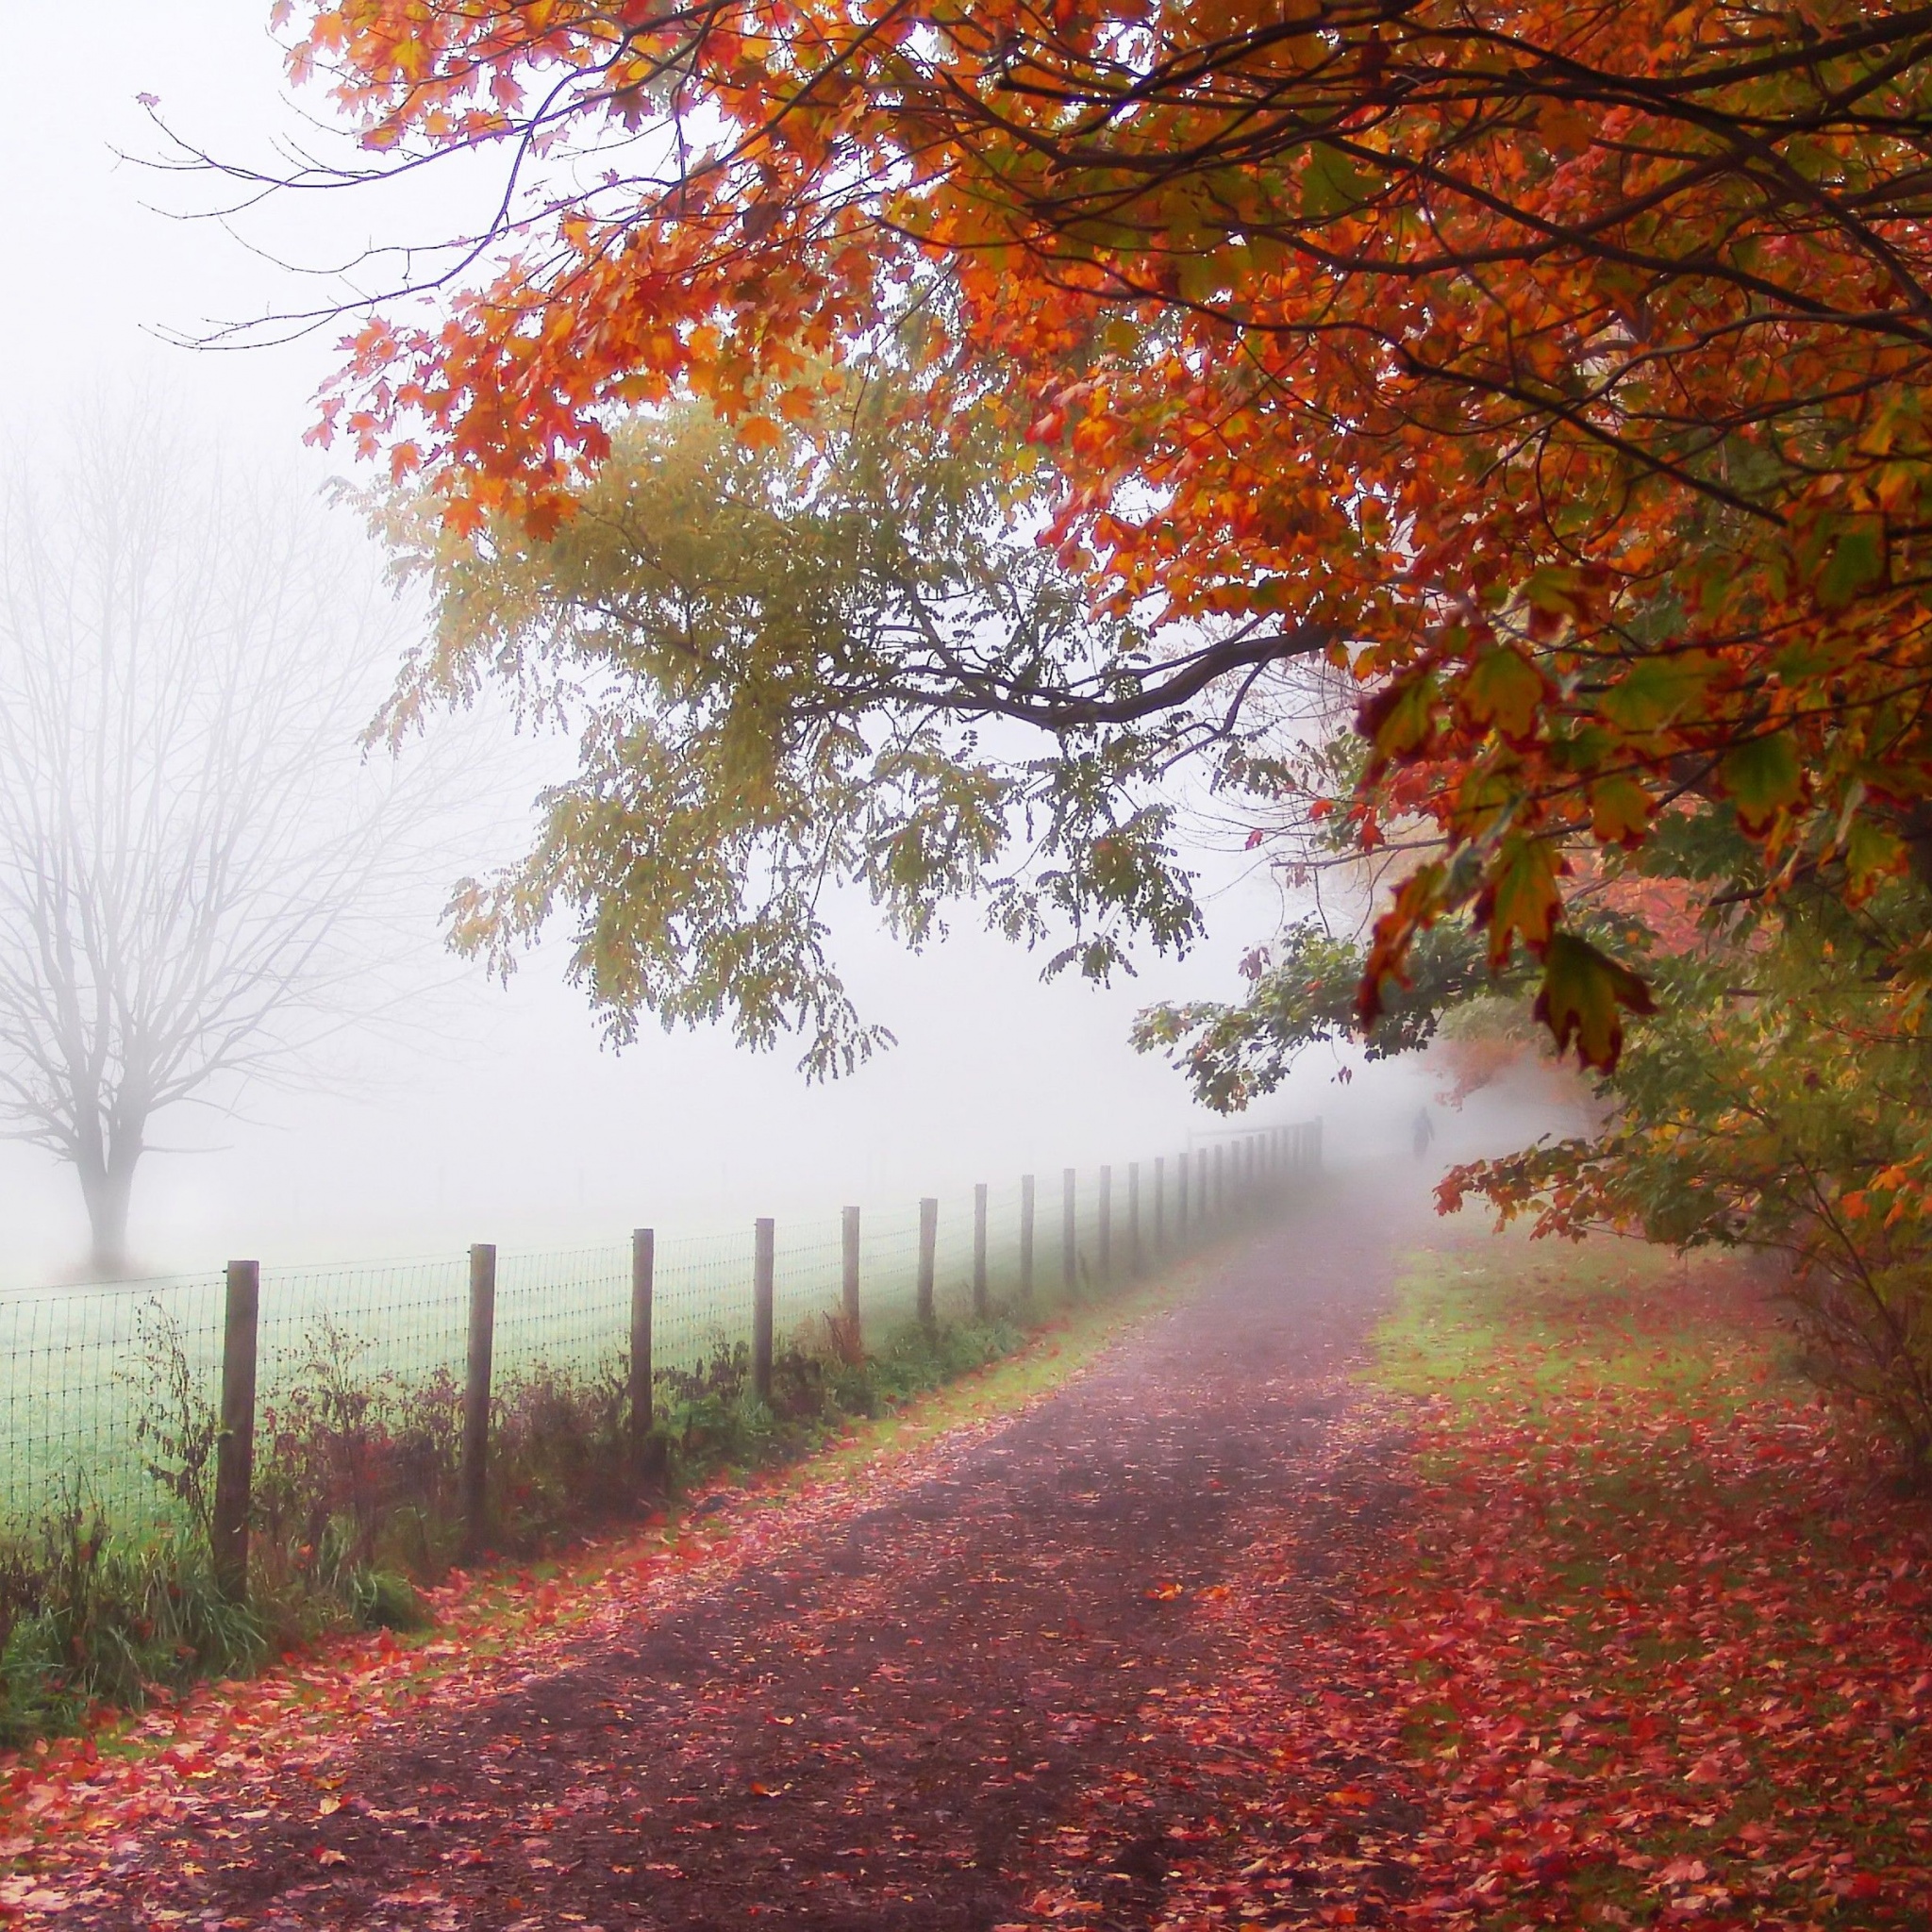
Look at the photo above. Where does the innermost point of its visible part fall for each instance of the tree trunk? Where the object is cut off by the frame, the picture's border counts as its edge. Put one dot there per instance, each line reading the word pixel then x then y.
pixel 107 1187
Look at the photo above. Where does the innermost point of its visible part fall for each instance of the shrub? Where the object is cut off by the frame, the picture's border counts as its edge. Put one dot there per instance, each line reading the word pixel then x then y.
pixel 561 1445
pixel 177 1427
pixel 357 1496
pixel 92 1619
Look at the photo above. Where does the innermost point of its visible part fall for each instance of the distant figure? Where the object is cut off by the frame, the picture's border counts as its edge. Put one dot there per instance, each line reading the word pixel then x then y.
pixel 1425 1132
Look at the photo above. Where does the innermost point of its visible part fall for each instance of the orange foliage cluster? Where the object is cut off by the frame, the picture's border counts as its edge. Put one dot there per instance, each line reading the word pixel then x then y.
pixel 1559 366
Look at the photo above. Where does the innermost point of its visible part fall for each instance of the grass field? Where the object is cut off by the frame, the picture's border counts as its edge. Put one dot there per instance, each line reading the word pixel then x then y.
pixel 1660 1621
pixel 79 1366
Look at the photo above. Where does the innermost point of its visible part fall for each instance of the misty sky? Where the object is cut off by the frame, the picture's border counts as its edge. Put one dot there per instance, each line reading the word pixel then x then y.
pixel 482 1113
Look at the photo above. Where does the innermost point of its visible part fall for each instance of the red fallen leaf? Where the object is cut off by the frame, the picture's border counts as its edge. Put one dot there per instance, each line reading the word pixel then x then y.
pixel 1164 1593
pixel 328 1855
pixel 758 1791
pixel 1684 1871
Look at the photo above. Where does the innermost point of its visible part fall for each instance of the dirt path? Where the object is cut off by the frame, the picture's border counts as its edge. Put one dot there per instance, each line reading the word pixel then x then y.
pixel 889 1724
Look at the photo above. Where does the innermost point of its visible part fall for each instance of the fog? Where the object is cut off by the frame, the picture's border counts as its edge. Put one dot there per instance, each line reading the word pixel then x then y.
pixel 478 1111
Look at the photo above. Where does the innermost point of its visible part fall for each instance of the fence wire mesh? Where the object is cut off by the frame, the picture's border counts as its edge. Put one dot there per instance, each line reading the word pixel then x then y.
pixel 93 1380
pixel 81 1374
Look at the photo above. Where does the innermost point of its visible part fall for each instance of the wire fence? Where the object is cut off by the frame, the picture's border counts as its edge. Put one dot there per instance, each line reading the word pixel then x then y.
pixel 98 1384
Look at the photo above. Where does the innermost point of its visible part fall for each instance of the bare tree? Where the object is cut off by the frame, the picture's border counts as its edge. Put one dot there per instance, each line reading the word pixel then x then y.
pixel 192 848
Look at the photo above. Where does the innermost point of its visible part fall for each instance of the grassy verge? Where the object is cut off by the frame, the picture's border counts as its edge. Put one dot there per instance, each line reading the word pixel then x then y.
pixel 1661 1636
pixel 1509 1319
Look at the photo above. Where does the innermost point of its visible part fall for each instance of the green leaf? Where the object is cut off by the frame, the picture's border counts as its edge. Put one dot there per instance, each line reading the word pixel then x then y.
pixel 1652 691
pixel 1204 275
pixel 1332 183
pixel 1872 853
pixel 1856 562
pixel 1520 896
pixel 1584 997
pixel 1762 777
pixel 1504 688
pixel 1619 810
pixel 1400 719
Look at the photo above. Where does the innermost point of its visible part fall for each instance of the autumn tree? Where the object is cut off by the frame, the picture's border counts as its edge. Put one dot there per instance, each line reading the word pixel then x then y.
pixel 1556 369
pixel 1555 373
pixel 196 866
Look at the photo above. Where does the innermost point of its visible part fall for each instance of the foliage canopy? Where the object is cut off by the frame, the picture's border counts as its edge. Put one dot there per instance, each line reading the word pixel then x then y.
pixel 786 666
pixel 1554 374
pixel 1558 369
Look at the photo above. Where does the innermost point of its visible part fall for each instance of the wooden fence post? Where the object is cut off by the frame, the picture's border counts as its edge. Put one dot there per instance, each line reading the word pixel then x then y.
pixel 474 1474
pixel 1070 1232
pixel 1220 1179
pixel 979 1289
pixel 1026 1239
pixel 235 1447
pixel 644 1264
pixel 1180 1199
pixel 764 1270
pixel 1203 1208
pixel 1104 1261
pixel 928 1259
pixel 1134 1257
pixel 849 1281
pixel 1160 1204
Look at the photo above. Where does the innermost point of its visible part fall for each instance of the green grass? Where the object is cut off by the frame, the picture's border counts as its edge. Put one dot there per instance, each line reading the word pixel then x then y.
pixel 1520 1320
pixel 1632 1515
pixel 74 1381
